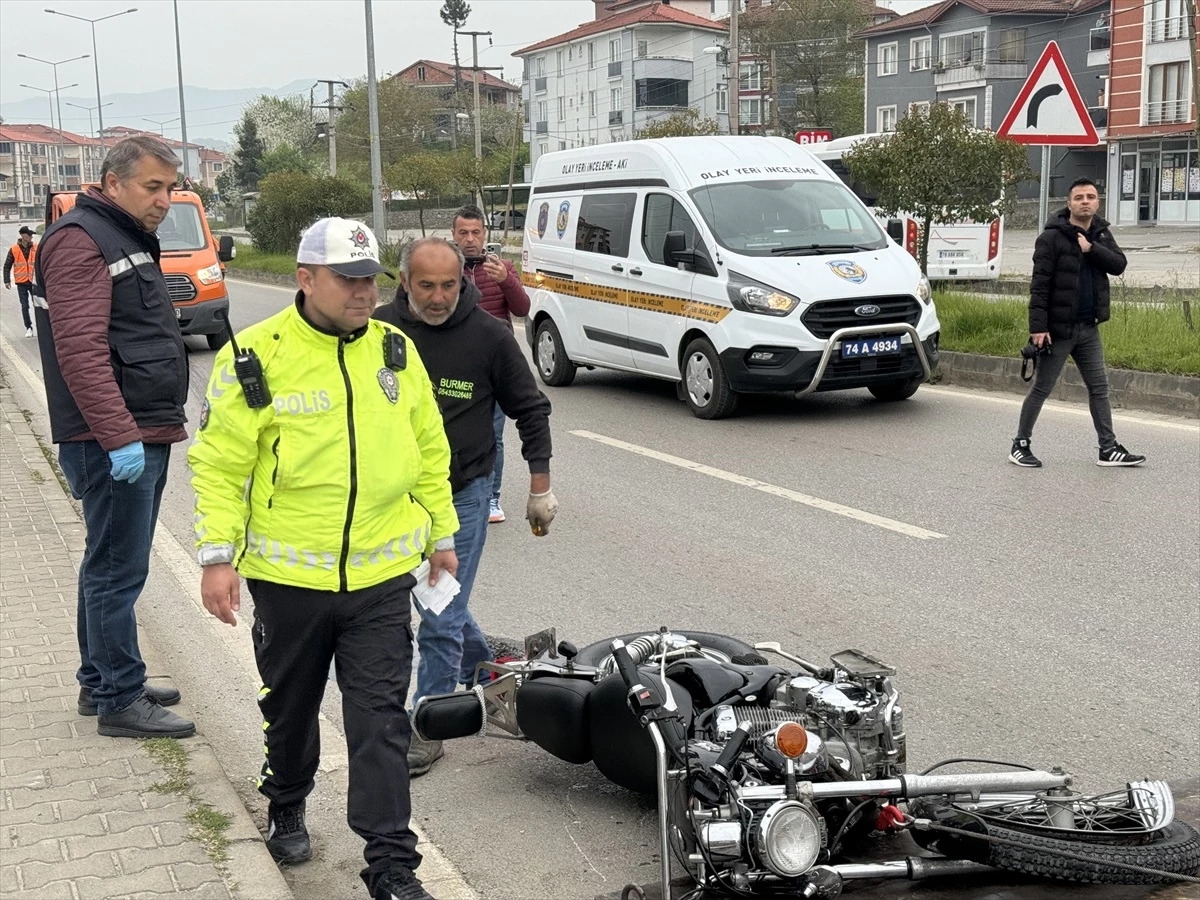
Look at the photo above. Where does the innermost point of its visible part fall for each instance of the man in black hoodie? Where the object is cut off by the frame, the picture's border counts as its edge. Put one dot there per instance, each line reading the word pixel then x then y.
pixel 1068 299
pixel 474 363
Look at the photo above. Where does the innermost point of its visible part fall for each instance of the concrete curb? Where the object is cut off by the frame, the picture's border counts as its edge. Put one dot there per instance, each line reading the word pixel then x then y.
pixel 1173 395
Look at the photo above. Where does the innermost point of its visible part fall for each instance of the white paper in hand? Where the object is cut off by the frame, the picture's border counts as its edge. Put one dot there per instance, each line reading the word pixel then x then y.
pixel 435 597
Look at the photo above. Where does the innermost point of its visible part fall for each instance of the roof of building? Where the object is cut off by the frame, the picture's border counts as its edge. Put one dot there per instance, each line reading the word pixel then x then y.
pixel 446 70
pixel 933 13
pixel 43 134
pixel 655 14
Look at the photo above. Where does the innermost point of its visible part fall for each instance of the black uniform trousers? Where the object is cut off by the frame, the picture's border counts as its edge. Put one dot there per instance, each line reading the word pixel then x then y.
pixel 368 636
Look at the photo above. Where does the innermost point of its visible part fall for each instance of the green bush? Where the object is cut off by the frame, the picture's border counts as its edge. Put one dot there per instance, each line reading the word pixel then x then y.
pixel 291 201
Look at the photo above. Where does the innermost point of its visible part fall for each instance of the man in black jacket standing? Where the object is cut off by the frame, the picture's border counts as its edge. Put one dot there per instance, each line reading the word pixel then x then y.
pixel 1068 299
pixel 474 363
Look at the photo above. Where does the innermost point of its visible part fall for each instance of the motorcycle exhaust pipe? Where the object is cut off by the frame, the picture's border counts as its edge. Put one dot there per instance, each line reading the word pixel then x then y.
pixel 912 868
pixel 910 786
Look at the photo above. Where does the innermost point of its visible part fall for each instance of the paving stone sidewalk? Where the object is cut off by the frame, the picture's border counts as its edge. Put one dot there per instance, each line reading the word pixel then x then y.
pixel 84 816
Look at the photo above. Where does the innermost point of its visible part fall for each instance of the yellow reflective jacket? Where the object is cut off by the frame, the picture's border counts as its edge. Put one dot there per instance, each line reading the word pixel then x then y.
pixel 342 481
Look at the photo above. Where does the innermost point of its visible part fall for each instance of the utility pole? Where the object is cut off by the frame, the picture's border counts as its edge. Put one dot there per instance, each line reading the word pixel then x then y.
pixel 377 211
pixel 331 126
pixel 475 70
pixel 735 73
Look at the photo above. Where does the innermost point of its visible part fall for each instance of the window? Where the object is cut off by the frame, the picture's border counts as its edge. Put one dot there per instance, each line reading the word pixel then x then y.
pixel 1168 96
pixel 558 63
pixel 605 222
pixel 562 145
pixel 750 77
pixel 663 213
pixel 614 50
pixel 543 148
pixel 420 73
pixel 920 54
pixel 6 147
pixel 722 98
pixel 1128 176
pixel 1011 46
pixel 643 49
pixel 885 118
pixel 614 98
pixel 540 68
pixel 966 106
pixel 661 92
pixel 591 103
pixel 957 50
pixel 217 167
pixel 920 106
pixel 750 111
pixel 592 55
pixel 562 109
pixel 1100 38
pixel 1168 21
pixel 886 58
pixel 543 111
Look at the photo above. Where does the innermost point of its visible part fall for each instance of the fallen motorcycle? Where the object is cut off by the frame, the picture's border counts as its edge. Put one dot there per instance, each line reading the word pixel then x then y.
pixel 769 776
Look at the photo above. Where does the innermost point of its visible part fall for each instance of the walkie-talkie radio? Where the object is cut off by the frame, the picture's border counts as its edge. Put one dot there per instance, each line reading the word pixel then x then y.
pixel 249 371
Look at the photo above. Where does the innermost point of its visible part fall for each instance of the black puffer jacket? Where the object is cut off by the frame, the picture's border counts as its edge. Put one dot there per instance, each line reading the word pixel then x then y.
pixel 1057 260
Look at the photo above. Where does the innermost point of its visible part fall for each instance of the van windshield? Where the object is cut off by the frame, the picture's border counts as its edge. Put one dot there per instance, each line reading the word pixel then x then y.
pixel 778 217
pixel 182 228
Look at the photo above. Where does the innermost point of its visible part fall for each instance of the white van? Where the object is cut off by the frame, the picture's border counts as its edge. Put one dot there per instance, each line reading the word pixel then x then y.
pixel 729 265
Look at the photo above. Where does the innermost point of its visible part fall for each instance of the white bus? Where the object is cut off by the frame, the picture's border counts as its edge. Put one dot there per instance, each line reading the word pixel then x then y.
pixel 963 251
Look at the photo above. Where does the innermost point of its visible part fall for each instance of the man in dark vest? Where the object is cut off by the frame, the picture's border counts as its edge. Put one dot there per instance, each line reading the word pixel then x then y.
pixel 116 376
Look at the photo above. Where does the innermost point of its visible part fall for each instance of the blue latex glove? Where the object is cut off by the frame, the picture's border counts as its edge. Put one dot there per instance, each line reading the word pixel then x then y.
pixel 128 462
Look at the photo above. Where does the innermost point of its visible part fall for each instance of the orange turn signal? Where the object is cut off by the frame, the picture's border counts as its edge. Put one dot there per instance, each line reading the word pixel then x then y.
pixel 791 740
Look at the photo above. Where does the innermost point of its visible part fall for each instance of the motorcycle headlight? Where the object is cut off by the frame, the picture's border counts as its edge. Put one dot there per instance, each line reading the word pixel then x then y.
pixel 924 293
pixel 751 296
pixel 788 838
pixel 210 274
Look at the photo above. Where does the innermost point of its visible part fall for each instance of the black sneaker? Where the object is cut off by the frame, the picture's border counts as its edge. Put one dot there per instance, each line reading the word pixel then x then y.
pixel 1021 455
pixel 1116 455
pixel 163 696
pixel 400 884
pixel 144 718
pixel 287 838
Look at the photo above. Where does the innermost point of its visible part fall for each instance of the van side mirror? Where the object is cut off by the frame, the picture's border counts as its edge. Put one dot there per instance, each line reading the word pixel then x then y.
pixel 674 244
pixel 225 250
pixel 676 251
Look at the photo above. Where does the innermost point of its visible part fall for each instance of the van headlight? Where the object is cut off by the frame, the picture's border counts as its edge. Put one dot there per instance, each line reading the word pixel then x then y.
pixel 751 296
pixel 788 838
pixel 924 293
pixel 210 274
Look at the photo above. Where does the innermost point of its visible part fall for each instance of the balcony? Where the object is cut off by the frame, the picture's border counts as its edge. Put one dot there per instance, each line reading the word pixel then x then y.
pixel 674 68
pixel 616 117
pixel 1167 112
pixel 614 69
pixel 1172 29
pixel 539 85
pixel 541 128
pixel 1099 42
pixel 947 78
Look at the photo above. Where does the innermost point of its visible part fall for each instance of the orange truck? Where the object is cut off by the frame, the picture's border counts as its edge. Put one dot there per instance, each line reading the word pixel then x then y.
pixel 192 263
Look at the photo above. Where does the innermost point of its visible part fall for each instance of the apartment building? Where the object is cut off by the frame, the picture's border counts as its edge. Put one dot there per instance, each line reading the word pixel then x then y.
pixel 34 161
pixel 976 55
pixel 1153 164
pixel 610 78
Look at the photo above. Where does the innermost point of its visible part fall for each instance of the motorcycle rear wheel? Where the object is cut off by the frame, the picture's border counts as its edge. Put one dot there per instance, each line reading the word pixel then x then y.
pixel 715 646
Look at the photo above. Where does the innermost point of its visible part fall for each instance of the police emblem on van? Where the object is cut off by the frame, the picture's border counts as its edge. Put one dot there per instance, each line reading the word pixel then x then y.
pixel 543 219
pixel 866 311
pixel 564 215
pixel 851 271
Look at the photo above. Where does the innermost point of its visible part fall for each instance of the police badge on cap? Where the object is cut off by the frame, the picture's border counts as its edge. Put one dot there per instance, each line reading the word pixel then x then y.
pixel 391 386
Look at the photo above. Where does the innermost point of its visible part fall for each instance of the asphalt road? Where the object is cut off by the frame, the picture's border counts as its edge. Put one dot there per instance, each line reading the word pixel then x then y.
pixel 1047 616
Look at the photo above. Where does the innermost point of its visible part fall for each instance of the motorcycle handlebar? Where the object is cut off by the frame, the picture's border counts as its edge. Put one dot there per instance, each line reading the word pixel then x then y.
pixel 643 698
pixel 625 664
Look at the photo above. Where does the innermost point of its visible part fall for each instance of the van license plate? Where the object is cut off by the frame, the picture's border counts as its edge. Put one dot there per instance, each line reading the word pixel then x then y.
pixel 870 347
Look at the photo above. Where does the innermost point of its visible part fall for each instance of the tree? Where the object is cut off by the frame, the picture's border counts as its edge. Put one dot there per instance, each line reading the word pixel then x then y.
pixel 423 174
pixel 246 164
pixel 291 201
pixel 939 169
pixel 815 57
pixel 282 120
pixel 405 115
pixel 285 158
pixel 454 13
pixel 685 123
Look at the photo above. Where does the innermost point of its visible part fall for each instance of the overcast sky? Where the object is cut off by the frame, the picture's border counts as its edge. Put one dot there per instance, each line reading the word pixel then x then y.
pixel 259 43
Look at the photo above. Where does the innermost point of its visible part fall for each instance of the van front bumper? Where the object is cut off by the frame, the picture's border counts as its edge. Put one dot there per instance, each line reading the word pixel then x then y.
pixel 207 317
pixel 802 372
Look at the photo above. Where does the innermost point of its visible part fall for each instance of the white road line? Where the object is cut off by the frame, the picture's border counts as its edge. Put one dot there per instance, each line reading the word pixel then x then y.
pixel 263 284
pixel 1053 405
pixel 773 489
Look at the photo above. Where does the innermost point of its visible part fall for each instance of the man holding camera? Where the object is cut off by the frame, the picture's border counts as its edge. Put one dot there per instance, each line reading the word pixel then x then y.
pixel 501 295
pixel 1068 299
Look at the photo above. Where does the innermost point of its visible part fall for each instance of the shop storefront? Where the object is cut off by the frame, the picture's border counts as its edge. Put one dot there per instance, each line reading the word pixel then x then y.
pixel 1154 181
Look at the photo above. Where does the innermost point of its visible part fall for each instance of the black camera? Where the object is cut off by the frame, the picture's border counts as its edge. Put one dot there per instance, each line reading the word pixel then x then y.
pixel 1029 357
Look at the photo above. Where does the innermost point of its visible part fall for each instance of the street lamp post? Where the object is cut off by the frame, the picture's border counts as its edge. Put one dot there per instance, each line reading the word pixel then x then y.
pixel 182 105
pixel 377 209
pixel 95 58
pixel 57 100
pixel 161 124
pixel 92 170
pixel 50 103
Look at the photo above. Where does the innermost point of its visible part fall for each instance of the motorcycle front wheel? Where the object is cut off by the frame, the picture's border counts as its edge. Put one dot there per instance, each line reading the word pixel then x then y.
pixel 1106 843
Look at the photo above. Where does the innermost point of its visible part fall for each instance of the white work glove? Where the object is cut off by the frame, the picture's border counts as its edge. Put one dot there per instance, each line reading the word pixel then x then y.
pixel 540 511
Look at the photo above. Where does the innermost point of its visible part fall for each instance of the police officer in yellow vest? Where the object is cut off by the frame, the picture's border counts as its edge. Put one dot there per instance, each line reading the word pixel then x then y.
pixel 321 473
pixel 18 265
